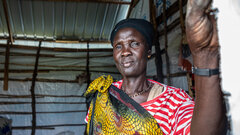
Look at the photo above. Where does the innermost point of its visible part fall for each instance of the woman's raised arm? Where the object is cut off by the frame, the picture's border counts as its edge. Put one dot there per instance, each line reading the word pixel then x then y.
pixel 209 116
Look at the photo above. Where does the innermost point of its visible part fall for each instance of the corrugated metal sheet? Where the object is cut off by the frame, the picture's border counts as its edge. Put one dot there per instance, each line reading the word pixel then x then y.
pixel 61 20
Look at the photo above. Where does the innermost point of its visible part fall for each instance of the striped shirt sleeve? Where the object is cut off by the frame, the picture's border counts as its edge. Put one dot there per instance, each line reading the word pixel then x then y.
pixel 182 119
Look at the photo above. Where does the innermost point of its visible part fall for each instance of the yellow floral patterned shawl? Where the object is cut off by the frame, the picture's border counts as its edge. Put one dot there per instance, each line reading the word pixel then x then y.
pixel 112 112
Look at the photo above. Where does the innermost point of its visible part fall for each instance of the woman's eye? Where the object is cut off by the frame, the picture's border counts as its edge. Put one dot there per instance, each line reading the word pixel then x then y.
pixel 118 46
pixel 134 44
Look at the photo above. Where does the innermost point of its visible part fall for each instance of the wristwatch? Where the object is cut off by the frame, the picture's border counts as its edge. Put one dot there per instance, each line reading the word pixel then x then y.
pixel 205 71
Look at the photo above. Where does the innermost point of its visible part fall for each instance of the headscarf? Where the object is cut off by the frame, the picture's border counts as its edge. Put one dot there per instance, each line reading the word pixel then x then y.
pixel 141 25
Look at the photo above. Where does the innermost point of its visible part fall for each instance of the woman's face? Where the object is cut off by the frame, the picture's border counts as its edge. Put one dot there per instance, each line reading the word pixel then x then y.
pixel 130 52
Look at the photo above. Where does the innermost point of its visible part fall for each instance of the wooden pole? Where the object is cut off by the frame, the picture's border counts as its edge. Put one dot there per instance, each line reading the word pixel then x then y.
pixel 52 55
pixel 87 67
pixel 45 127
pixel 7 19
pixel 170 11
pixel 67 67
pixel 184 41
pixel 132 5
pixel 6 67
pixel 158 57
pixel 166 43
pixel 33 90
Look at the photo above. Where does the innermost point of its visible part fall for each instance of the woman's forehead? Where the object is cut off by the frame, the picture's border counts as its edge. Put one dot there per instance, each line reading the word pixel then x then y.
pixel 128 33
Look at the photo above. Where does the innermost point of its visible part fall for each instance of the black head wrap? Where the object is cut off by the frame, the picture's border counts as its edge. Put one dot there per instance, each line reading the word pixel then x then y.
pixel 141 25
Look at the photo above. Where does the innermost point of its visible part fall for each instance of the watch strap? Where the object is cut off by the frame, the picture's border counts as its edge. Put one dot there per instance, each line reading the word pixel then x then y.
pixel 205 71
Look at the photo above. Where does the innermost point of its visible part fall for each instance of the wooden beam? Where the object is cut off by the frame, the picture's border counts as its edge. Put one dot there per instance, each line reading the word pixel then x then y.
pixel 11 103
pixel 24 71
pixel 132 5
pixel 41 96
pixel 87 67
pixel 43 80
pixel 52 55
pixel 94 1
pixel 179 74
pixel 166 43
pixel 158 57
pixel 55 70
pixel 50 127
pixel 7 20
pixel 96 41
pixel 30 113
pixel 33 90
pixel 170 11
pixel 57 49
pixel 63 66
pixel 29 127
pixel 6 67
pixel 181 16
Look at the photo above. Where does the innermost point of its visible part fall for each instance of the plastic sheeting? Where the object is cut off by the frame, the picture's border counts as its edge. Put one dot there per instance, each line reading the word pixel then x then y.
pixel 60 89
pixel 229 31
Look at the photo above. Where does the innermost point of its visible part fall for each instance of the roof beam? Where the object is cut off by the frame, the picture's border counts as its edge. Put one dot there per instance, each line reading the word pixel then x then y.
pixel 53 56
pixel 64 66
pixel 95 1
pixel 55 70
pixel 57 49
pixel 6 70
pixel 102 41
pixel 7 19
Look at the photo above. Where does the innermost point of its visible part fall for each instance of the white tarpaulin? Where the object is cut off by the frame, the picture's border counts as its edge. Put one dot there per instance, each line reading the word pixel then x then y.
pixel 229 31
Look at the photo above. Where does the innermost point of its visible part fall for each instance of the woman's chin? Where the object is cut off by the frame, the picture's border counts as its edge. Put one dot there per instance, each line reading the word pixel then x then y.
pixel 128 73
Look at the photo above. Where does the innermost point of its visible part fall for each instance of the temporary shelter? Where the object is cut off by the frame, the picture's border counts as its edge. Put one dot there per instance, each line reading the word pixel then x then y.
pixel 50 50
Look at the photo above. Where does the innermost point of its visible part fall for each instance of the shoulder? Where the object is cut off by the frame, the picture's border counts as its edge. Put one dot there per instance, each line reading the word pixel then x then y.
pixel 171 94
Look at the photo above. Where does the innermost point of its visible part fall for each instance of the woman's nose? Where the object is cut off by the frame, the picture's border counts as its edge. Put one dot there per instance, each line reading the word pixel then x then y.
pixel 126 51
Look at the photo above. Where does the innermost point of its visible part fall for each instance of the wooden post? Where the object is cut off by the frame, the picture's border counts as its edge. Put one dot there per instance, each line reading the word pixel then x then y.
pixel 166 43
pixel 158 58
pixel 87 66
pixel 132 5
pixel 7 20
pixel 33 90
pixel 6 66
pixel 5 85
pixel 184 41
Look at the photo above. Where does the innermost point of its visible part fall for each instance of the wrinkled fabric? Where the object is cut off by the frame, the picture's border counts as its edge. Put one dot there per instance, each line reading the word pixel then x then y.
pixel 114 112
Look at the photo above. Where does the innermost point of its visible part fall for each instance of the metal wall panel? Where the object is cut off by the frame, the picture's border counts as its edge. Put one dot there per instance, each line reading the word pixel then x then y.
pixel 62 20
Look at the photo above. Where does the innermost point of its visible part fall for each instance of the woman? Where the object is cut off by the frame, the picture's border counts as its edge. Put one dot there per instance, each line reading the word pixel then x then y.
pixel 137 105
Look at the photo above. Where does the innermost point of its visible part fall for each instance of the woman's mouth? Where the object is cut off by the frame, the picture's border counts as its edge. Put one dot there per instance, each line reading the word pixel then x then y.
pixel 127 64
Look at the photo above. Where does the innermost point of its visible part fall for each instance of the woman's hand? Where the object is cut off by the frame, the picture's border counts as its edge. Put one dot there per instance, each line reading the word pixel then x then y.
pixel 202 34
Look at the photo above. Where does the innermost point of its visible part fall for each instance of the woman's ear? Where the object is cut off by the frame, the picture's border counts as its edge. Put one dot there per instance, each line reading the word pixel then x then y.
pixel 149 53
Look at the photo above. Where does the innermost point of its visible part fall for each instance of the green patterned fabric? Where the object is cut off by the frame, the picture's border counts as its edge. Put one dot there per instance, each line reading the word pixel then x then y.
pixel 113 112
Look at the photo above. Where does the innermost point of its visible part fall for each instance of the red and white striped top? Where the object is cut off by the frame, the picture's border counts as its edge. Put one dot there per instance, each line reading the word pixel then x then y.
pixel 172 109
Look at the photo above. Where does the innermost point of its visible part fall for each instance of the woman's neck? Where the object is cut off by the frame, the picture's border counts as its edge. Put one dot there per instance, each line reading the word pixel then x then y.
pixel 134 85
